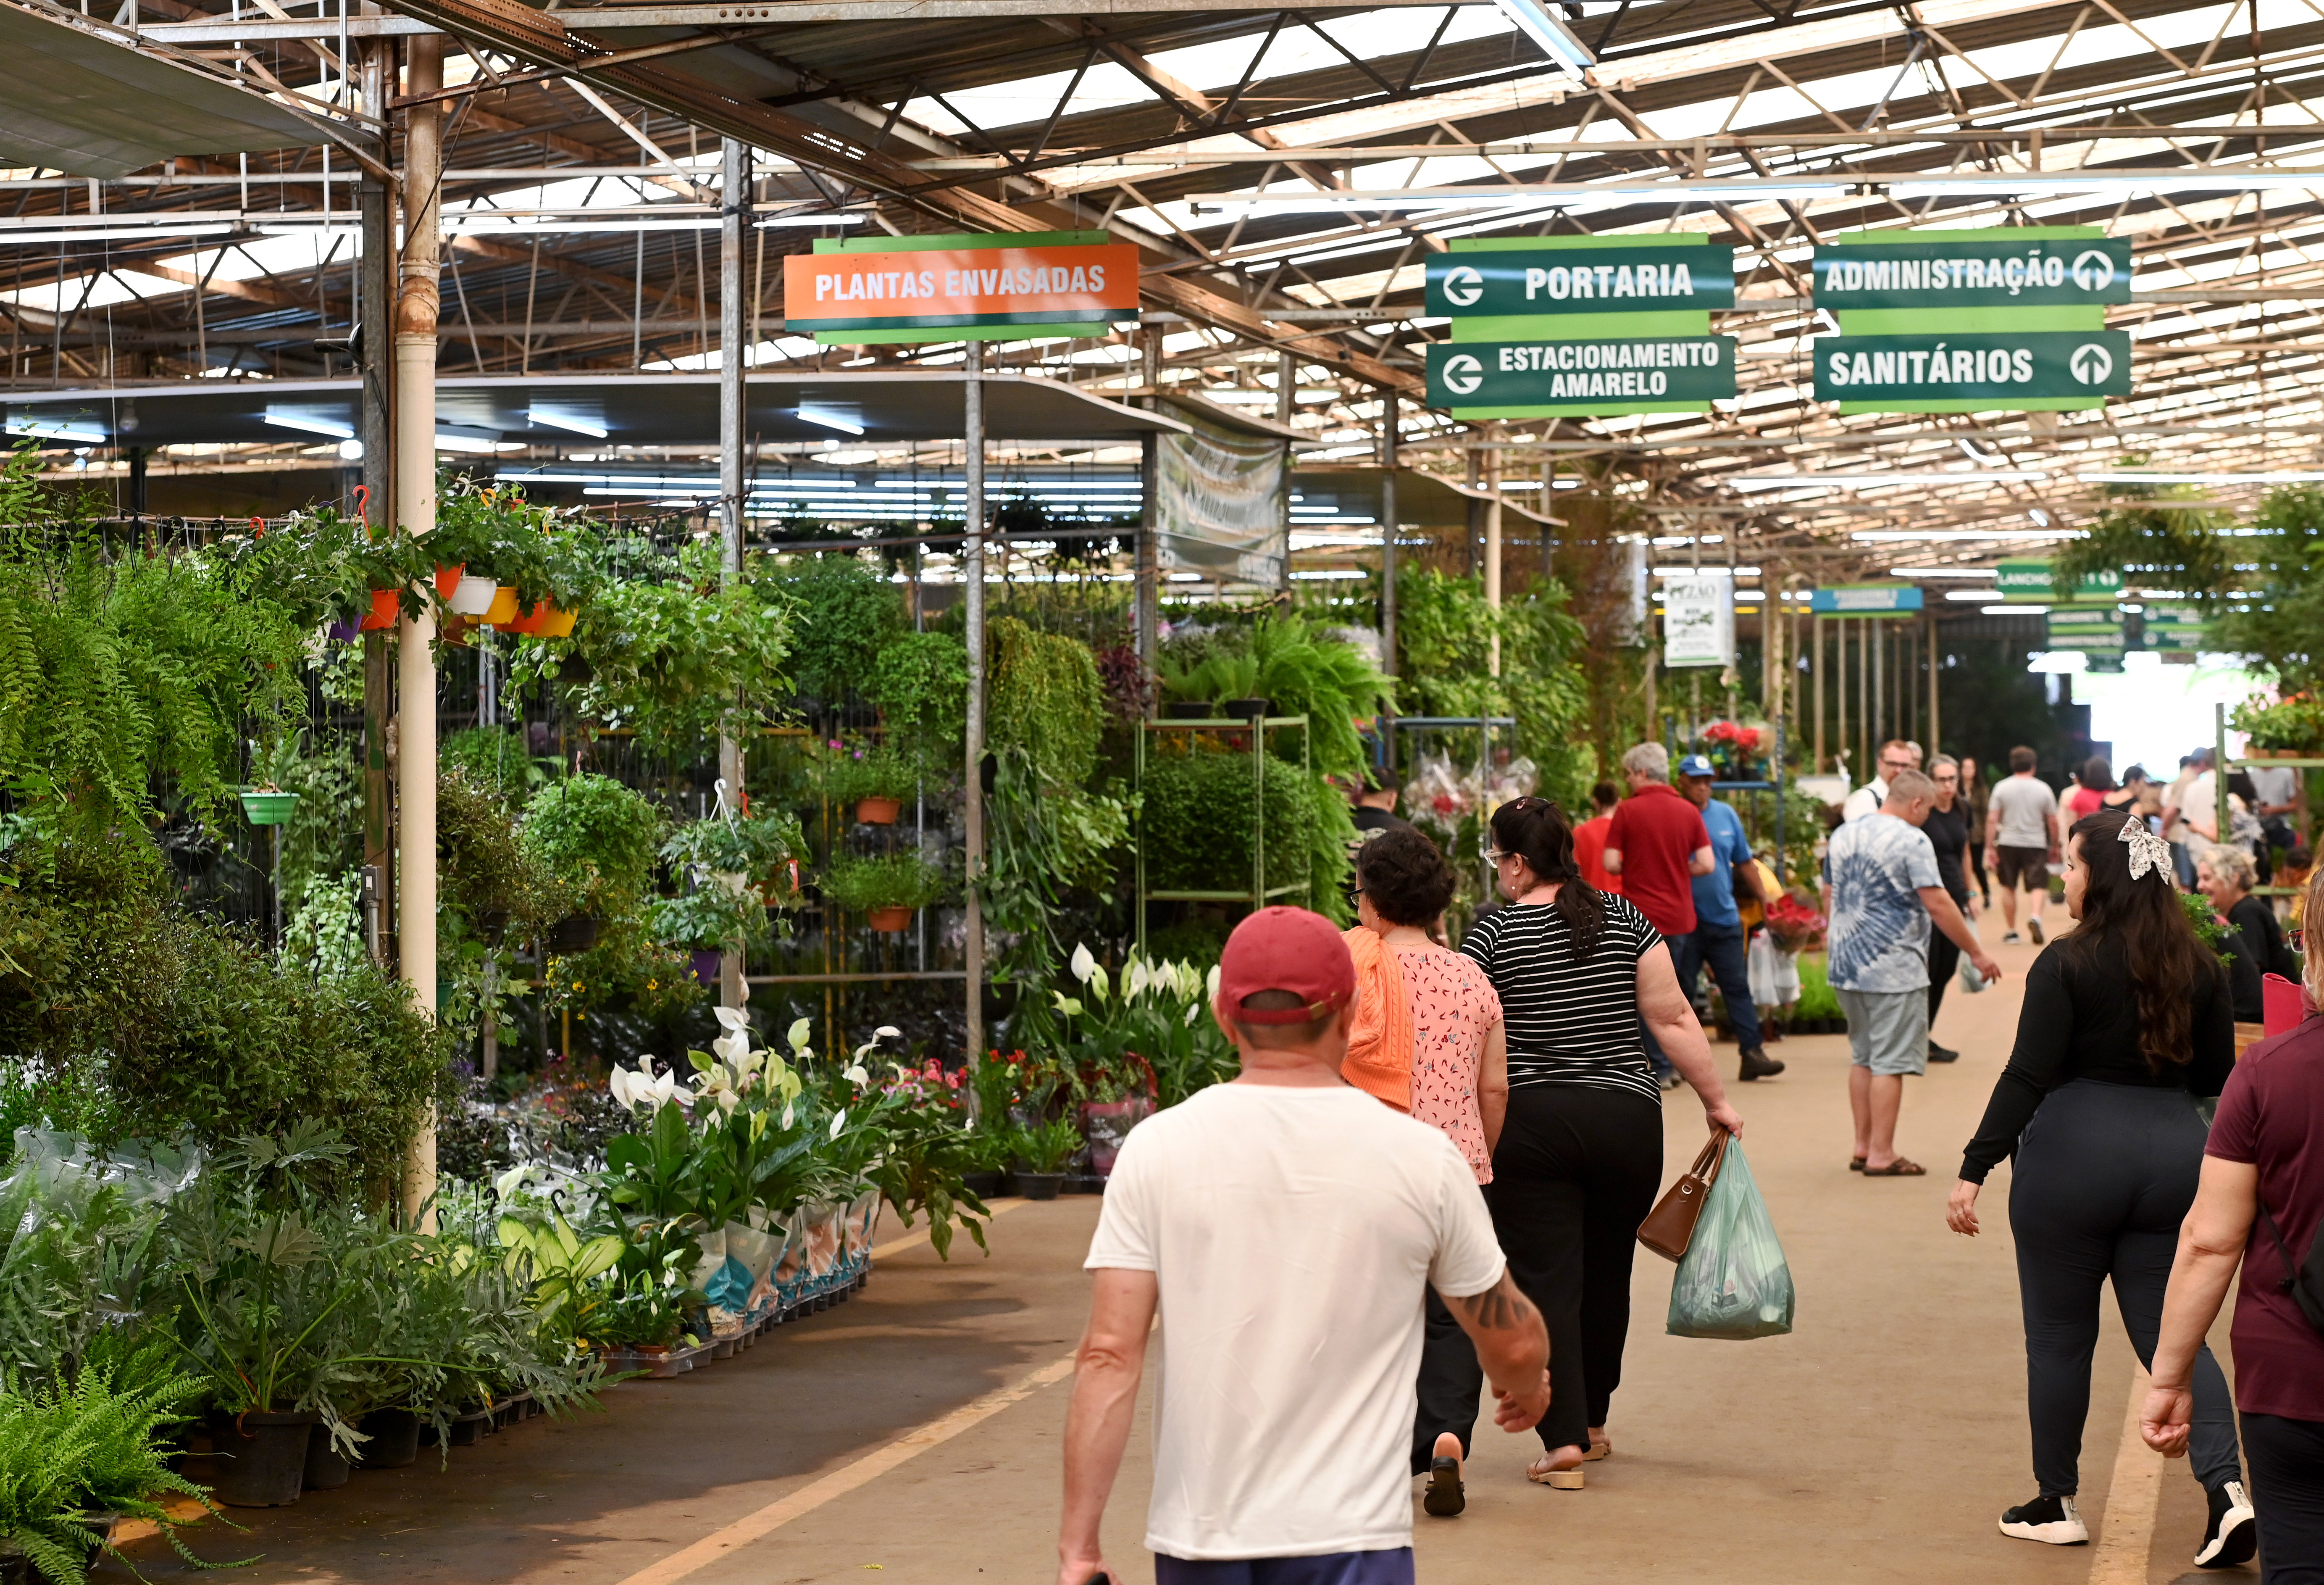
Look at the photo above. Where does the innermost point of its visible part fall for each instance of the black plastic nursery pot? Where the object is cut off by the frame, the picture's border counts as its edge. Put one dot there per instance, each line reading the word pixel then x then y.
pixel 469 1429
pixel 1039 1185
pixel 1189 709
pixel 576 933
pixel 261 1458
pixel 394 1441
pixel 1247 709
pixel 325 1470
pixel 983 1185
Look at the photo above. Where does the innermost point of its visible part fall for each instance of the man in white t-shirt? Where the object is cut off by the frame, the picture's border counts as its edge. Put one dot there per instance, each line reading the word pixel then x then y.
pixel 1897 757
pixel 1287 1226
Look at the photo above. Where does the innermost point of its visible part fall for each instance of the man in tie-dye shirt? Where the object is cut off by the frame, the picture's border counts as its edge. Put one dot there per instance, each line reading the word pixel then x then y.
pixel 1881 891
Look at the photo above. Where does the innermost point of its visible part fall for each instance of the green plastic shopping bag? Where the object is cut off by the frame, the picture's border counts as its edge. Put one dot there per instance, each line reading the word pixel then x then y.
pixel 1733 1282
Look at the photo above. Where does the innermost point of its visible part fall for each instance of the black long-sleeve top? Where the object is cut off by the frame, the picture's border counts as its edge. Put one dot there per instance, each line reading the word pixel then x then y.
pixel 2256 921
pixel 2080 1021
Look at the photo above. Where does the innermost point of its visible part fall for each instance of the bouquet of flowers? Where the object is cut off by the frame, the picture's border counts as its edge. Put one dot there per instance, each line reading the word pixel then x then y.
pixel 1794 925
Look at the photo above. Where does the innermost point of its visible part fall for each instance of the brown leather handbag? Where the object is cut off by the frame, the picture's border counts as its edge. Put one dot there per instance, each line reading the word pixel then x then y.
pixel 1669 1227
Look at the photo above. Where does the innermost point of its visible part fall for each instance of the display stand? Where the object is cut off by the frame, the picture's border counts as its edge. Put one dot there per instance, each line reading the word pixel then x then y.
pixel 1483 725
pixel 1259 894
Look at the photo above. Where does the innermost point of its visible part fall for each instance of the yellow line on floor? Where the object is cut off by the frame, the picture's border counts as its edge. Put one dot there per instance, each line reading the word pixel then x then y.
pixel 720 1544
pixel 999 1208
pixel 2120 1557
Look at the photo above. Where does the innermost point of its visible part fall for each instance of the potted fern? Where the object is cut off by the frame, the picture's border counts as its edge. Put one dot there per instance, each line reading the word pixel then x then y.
pixel 886 890
pixel 875 778
pixel 1045 1152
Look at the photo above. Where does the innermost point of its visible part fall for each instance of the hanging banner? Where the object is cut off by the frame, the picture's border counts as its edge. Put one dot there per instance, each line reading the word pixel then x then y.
pixel 1547 279
pixel 2001 369
pixel 2030 581
pixel 1866 600
pixel 1223 501
pixel 855 292
pixel 1580 376
pixel 2042 271
pixel 1699 622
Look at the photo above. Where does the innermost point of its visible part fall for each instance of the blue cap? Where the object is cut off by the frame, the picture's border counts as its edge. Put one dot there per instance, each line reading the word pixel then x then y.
pixel 1695 764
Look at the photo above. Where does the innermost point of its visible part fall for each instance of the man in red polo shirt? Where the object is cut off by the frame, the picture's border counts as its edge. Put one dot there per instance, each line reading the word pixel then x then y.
pixel 1658 844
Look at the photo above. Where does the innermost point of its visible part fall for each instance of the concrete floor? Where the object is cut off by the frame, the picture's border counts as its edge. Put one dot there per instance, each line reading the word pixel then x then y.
pixel 1876 1444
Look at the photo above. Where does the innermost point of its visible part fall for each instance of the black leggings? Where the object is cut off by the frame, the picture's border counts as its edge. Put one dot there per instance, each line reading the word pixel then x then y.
pixel 1576 1172
pixel 1944 958
pixel 2105 1174
pixel 2287 1491
pixel 1451 1384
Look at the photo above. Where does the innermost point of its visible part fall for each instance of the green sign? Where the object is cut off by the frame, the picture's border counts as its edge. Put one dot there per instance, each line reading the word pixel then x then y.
pixel 2095 631
pixel 2173 630
pixel 1552 280
pixel 1580 376
pixel 2002 369
pixel 2030 582
pixel 2042 271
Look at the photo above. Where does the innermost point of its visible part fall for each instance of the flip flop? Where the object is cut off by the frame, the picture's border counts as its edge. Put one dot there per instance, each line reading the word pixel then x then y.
pixel 1856 1163
pixel 1598 1450
pixel 1899 1168
pixel 1558 1480
pixel 1445 1496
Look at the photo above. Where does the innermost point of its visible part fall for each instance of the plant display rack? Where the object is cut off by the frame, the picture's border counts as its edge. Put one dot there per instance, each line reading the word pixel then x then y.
pixel 1259 894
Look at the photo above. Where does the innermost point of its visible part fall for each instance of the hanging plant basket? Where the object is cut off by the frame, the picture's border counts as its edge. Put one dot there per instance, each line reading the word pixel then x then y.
pixel 543 621
pixel 447 580
pixel 383 603
pixel 889 919
pixel 574 933
pixel 266 807
pixel 502 611
pixel 878 811
pixel 473 596
pixel 705 962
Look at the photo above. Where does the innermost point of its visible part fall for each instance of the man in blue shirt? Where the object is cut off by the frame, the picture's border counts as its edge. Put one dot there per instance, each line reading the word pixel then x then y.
pixel 1717 940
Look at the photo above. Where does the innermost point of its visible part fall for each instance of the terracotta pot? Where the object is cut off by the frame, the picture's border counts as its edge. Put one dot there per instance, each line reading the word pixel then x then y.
pixel 447 580
pixel 878 812
pixel 889 919
pixel 383 603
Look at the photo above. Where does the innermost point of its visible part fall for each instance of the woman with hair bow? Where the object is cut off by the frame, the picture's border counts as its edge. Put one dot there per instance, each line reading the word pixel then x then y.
pixel 2127 1021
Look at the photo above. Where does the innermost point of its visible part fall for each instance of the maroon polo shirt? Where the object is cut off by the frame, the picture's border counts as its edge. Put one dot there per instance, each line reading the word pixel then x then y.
pixel 1657 830
pixel 2272 1117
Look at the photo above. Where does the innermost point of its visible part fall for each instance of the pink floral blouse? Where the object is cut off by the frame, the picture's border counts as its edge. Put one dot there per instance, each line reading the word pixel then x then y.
pixel 1453 1006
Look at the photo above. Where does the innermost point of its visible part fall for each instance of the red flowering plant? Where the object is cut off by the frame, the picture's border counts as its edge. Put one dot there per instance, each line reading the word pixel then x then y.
pixel 1732 747
pixel 1797 926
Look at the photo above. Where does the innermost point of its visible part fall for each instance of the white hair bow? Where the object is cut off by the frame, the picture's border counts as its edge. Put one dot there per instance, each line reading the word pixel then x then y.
pixel 2147 850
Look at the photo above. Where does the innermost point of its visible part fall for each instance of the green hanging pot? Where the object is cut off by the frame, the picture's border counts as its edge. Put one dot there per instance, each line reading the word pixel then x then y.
pixel 268 808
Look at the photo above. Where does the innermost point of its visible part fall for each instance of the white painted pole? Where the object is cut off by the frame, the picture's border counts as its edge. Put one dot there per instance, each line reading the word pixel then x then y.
pixel 416 310
pixel 971 565
pixel 735 201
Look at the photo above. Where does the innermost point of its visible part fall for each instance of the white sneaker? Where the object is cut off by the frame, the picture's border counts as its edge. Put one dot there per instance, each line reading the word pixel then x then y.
pixel 2051 1519
pixel 2011 939
pixel 2231 1536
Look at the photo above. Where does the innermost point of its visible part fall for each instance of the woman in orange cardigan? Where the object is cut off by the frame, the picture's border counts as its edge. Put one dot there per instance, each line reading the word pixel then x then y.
pixel 1428 1040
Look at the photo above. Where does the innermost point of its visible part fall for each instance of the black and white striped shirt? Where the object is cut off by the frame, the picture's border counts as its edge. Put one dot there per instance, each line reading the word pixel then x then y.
pixel 1569 1021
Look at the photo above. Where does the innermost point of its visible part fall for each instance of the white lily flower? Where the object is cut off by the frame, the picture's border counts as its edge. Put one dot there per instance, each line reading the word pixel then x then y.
pixel 1083 962
pixel 1211 984
pixel 857 1075
pixel 731 1047
pixel 789 1107
pixel 1191 1008
pixel 887 1032
pixel 1135 979
pixel 1190 979
pixel 734 1020
pixel 1100 986
pixel 799 1035
pixel 839 1122
pixel 510 1181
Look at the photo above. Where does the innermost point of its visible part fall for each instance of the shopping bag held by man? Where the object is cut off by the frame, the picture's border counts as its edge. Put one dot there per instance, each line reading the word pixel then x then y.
pixel 1734 1281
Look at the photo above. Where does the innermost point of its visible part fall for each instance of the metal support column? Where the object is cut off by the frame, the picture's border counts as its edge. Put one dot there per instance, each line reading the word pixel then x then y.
pixel 973 600
pixel 1147 588
pixel 734 203
pixel 1493 562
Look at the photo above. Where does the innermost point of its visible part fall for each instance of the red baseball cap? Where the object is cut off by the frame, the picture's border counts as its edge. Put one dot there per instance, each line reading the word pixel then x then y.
pixel 1281 949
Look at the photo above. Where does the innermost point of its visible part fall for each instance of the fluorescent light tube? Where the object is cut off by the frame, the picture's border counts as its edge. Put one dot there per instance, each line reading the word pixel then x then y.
pixel 309 423
pixel 1557 42
pixel 1897 535
pixel 831 418
pixel 1797 481
pixel 832 217
pixel 572 423
pixel 2123 476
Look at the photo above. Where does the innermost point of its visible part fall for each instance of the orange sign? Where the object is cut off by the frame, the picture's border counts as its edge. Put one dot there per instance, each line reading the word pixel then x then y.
pixel 905 290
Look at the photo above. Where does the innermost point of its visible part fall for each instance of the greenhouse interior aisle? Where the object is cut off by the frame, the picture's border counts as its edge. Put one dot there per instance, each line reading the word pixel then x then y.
pixel 1878 1440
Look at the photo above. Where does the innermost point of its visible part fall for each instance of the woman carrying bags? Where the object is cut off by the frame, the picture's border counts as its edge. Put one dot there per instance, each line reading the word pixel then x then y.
pixel 1580 975
pixel 2126 1023
pixel 1426 1038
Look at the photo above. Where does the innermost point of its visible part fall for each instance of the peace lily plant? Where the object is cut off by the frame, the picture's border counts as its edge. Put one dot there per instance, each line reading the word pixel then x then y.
pixel 1140 1031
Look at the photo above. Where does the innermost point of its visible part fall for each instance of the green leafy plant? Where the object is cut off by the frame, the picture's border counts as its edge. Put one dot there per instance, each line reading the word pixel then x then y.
pixel 1050 1146
pixel 497 762
pixel 598 838
pixel 847 613
pixel 856 769
pixel 893 880
pixel 920 684
pixel 713 916
pixel 1047 698
pixel 2296 723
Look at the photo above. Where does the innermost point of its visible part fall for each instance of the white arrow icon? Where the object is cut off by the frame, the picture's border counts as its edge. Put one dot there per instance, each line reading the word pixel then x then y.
pixel 1462 374
pixel 1463 286
pixel 2091 364
pixel 2093 270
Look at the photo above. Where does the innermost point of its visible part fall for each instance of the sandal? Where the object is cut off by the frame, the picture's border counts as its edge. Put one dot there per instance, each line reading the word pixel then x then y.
pixel 1598 1450
pixel 1445 1496
pixel 1856 1163
pixel 1899 1168
pixel 1556 1479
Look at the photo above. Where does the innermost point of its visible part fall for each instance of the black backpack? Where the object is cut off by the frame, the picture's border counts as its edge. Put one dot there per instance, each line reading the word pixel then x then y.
pixel 2304 1282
